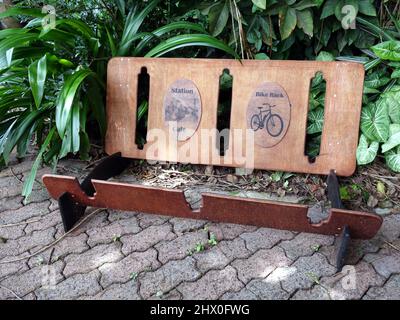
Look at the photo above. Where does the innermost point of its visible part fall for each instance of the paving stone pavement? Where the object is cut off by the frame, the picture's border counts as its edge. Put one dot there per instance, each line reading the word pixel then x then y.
pixel 127 255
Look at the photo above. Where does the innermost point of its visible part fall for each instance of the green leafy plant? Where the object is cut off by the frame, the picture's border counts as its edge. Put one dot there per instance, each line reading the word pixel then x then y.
pixel 213 240
pixel 52 80
pixel 199 247
pixel 380 118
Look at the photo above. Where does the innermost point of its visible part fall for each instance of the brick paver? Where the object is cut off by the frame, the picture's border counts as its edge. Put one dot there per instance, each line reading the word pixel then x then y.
pixel 128 255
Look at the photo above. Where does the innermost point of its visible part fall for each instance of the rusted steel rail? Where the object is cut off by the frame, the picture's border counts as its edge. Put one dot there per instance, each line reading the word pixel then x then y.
pixel 218 208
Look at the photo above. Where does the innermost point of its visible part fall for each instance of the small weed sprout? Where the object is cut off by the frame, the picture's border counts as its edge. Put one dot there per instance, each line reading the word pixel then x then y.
pixel 133 276
pixel 116 238
pixel 213 240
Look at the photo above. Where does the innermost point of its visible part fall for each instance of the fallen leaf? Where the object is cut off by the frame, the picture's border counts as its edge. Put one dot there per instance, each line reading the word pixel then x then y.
pixel 372 202
pixel 231 178
pixel 380 187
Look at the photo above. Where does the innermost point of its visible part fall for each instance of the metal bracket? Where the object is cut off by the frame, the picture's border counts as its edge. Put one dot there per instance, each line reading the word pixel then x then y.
pixel 72 210
pixel 342 245
pixel 334 191
pixel 343 241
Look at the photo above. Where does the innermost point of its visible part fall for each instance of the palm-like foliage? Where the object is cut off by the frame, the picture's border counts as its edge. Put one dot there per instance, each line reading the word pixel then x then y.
pixel 52 80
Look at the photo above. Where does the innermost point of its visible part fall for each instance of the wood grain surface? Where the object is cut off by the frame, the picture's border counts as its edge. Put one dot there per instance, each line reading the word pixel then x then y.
pixel 285 153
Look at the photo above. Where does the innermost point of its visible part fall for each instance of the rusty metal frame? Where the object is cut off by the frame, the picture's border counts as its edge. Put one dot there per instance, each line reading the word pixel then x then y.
pixel 94 191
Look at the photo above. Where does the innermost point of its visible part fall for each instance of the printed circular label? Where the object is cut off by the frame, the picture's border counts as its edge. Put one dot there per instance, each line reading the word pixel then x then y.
pixel 268 114
pixel 182 108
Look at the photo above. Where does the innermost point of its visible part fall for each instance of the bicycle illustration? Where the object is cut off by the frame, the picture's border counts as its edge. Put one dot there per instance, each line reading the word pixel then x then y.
pixel 272 122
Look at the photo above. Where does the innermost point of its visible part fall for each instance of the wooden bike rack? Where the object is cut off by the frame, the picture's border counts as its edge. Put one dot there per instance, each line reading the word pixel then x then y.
pixel 268 121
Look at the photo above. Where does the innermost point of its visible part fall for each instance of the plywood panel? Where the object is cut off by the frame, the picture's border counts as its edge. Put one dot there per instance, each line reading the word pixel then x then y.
pixel 342 113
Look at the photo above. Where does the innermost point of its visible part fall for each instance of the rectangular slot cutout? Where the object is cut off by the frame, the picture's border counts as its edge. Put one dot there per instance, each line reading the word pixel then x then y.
pixel 224 111
pixel 315 116
pixel 142 107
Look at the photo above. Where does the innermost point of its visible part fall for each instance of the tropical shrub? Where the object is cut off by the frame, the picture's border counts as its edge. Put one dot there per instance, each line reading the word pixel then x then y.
pixel 52 79
pixel 380 118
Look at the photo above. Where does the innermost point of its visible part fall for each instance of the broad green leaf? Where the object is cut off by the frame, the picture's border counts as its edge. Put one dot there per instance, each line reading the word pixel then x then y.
pixel 305 21
pixel 66 144
pixel 375 29
pixel 375 122
pixel 111 42
pixel 174 26
pixel 132 25
pixel 84 146
pixel 392 158
pixel 61 37
pixel 328 9
pixel 25 140
pixel 11 32
pixel 124 49
pixel 287 22
pixel 66 99
pixel 395 74
pixel 394 128
pixel 391 100
pixel 367 7
pixel 28 185
pixel 323 35
pixel 33 53
pixel 304 4
pixel 28 120
pixel 375 80
pixel 325 56
pixel 393 142
pixel 37 78
pixel 65 63
pixel 262 4
pixel 366 152
pixel 364 40
pixel 315 121
pixel 189 40
pixel 370 90
pixel 4 136
pixel 261 56
pixel 388 50
pixel 34 23
pixel 218 18
pixel 15 11
pixel 372 64
pixel 121 6
pixel 14 41
pixel 78 26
